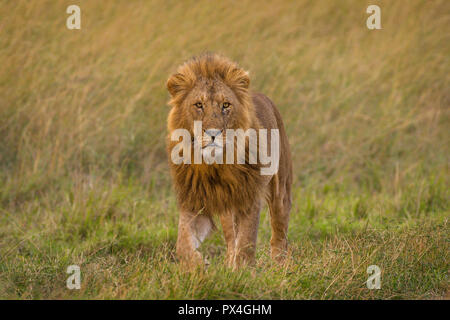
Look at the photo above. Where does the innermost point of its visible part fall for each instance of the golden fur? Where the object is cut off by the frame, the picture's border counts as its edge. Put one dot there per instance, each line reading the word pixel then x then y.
pixel 232 191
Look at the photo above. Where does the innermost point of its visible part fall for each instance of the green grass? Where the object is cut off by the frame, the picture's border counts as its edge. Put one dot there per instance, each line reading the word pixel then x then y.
pixel 83 169
pixel 122 236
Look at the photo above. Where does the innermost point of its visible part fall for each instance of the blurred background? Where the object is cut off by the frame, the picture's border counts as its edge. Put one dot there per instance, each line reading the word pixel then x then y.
pixel 83 117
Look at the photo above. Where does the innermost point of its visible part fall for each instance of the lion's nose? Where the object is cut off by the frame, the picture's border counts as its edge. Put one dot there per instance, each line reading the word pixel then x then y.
pixel 213 133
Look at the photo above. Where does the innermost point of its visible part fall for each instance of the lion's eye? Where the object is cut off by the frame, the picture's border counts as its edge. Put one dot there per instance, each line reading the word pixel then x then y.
pixel 226 105
pixel 199 105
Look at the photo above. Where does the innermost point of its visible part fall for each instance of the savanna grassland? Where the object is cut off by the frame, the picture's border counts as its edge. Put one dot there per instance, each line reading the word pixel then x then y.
pixel 84 175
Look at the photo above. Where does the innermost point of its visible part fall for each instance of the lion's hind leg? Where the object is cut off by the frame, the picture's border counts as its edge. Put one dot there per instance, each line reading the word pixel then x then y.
pixel 279 206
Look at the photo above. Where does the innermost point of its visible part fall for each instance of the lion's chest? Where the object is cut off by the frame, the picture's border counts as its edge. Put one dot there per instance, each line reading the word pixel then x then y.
pixel 215 190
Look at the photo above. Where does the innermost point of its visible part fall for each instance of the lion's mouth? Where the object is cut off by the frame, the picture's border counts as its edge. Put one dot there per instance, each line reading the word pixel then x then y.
pixel 212 144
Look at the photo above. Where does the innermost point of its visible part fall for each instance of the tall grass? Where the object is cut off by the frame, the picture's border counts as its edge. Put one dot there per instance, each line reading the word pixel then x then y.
pixel 83 169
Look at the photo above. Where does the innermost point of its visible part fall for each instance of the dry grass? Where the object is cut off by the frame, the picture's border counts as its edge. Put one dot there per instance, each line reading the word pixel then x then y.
pixel 83 170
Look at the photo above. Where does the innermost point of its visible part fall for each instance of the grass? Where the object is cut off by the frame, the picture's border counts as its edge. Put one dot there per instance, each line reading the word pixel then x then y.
pixel 83 169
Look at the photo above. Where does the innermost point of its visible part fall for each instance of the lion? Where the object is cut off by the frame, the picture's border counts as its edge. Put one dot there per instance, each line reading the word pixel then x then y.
pixel 214 90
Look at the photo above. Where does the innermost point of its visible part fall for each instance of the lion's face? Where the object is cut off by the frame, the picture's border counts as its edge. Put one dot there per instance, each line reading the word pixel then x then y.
pixel 214 104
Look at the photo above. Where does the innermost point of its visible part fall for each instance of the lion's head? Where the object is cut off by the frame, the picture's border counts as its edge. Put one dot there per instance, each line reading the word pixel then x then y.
pixel 212 89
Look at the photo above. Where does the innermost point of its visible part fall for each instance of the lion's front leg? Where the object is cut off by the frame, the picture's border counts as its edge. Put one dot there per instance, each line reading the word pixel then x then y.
pixel 192 230
pixel 246 235
pixel 229 232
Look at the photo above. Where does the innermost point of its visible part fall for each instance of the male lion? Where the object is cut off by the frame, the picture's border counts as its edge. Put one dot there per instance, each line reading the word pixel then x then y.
pixel 212 89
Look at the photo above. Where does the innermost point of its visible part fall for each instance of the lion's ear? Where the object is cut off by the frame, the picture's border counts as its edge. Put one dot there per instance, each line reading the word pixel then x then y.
pixel 239 79
pixel 177 84
pixel 245 79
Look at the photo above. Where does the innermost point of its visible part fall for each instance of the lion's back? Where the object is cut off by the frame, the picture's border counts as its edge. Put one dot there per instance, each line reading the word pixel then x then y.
pixel 270 118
